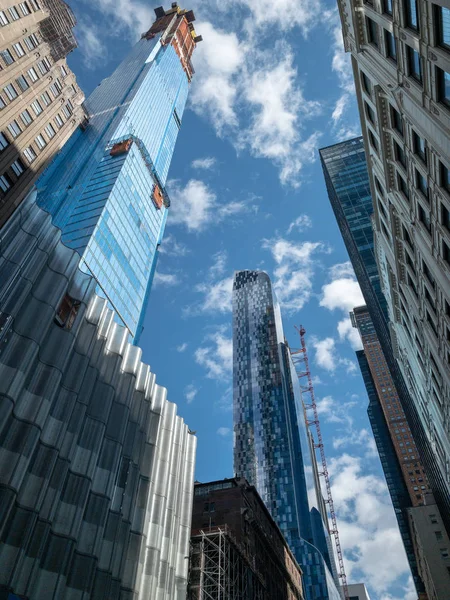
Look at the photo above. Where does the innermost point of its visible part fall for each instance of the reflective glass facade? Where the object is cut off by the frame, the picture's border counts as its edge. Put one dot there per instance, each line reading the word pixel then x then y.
pixel 271 443
pixel 102 195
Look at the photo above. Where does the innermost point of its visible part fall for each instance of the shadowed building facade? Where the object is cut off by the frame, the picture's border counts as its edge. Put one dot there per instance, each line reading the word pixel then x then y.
pixel 350 192
pixel 400 54
pixel 271 446
pixel 40 102
pixel 96 468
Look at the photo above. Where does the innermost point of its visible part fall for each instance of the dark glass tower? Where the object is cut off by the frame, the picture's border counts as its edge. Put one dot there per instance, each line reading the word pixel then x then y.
pixel 347 180
pixel 271 444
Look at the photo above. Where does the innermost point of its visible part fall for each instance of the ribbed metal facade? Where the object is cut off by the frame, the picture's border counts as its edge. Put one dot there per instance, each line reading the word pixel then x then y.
pixel 96 468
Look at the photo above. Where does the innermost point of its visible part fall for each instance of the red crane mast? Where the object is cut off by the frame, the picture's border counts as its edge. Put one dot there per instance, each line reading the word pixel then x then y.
pixel 300 360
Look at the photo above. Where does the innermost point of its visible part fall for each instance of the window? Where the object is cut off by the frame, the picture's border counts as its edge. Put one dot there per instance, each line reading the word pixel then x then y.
pixel 7 57
pixel 419 147
pixel 3 19
pixel 445 252
pixel 40 142
pixel 63 71
pixel 424 218
pixel 46 98
pixel 396 120
pixel 445 217
pixel 428 274
pixel 30 154
pixel 402 186
pixel 54 90
pixel 18 49
pixel 399 155
pixel 414 68
pixel 443 86
pixel 391 45
pixel 17 167
pixel 24 8
pixel 3 142
pixel 67 312
pixel 31 41
pixel 36 106
pixel 387 6
pixel 14 129
pixel 372 140
pixel 372 32
pixel 58 120
pixel 26 118
pixel 22 83
pixel 421 184
pixel 10 91
pixel 369 112
pixel 5 183
pixel 13 13
pixel 411 14
pixel 444 552
pixel 67 111
pixel 366 83
pixel 32 74
pixel 445 177
pixel 35 4
pixel 442 20
pixel 50 131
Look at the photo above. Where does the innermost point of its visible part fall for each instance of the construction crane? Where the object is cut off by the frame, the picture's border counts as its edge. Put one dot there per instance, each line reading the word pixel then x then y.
pixel 300 360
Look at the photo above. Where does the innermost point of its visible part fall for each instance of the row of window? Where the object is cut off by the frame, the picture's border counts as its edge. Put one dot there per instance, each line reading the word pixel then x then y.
pixel 23 82
pixel 441 19
pixel 14 13
pixel 6 181
pixel 31 42
pixel 414 64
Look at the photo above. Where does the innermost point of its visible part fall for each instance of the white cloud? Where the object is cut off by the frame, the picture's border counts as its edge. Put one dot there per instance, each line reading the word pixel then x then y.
pixel 195 206
pixel 224 431
pixel 348 332
pixel 216 356
pixel 343 293
pixel 327 356
pixel 203 163
pixel 301 223
pixel 217 59
pixel 192 205
pixel 285 14
pixel 294 274
pixel 369 535
pixel 171 247
pixel 129 17
pixel 217 296
pixel 92 47
pixel 182 347
pixel 190 391
pixel 167 279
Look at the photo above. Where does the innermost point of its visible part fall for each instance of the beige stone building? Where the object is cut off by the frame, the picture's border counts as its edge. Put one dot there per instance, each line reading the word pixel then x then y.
pixel 401 61
pixel 40 102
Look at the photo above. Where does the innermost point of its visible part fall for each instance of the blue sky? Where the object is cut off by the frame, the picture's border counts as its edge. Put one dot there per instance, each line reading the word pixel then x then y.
pixel 272 85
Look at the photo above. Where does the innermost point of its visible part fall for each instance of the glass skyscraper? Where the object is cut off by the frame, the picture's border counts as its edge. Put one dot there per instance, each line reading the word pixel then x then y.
pixel 271 446
pixel 106 188
pixel 349 191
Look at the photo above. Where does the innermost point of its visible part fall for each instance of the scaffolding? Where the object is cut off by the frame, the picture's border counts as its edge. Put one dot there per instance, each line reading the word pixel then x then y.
pixel 220 570
pixel 300 360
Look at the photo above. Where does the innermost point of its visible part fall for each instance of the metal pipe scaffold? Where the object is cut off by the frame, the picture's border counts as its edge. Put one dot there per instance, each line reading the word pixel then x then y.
pixel 300 360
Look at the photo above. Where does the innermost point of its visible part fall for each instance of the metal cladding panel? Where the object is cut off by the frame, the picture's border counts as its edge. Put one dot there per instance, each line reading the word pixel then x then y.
pixel 96 468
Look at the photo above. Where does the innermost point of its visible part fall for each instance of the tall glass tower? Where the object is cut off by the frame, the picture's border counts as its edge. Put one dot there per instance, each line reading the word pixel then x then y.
pixel 106 189
pixel 271 446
